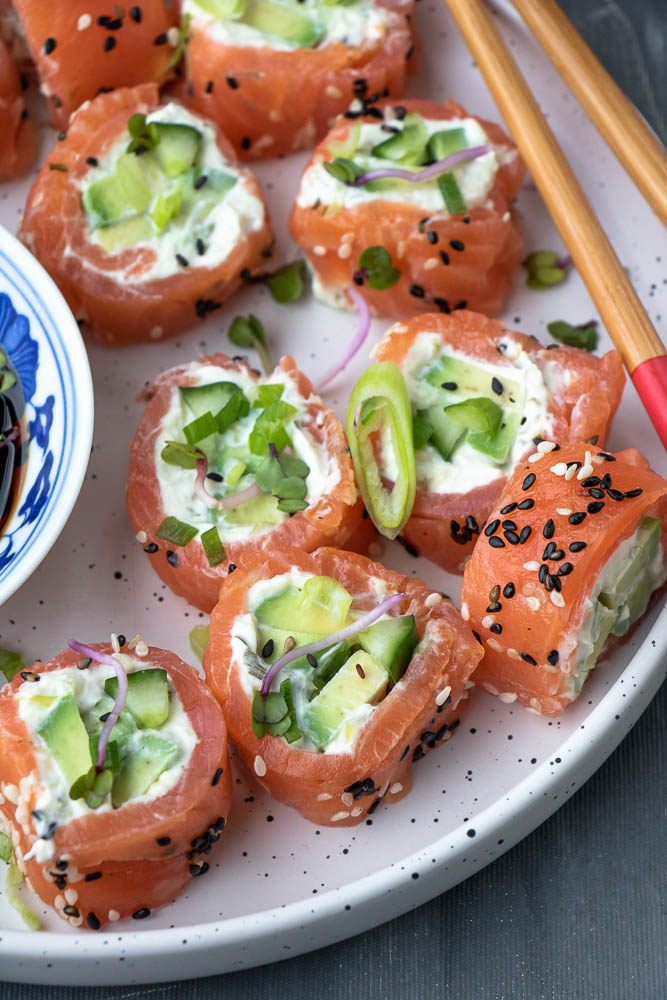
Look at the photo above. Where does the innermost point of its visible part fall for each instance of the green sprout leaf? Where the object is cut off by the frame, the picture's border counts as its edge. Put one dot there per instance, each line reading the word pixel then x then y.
pixel 375 263
pixel 249 332
pixel 179 48
pixel 287 284
pixel 345 171
pixel 545 268
pixel 585 336
pixel 183 455
pixel 6 848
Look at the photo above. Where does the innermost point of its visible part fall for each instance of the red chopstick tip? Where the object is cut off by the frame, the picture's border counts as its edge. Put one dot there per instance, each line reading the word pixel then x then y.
pixel 650 381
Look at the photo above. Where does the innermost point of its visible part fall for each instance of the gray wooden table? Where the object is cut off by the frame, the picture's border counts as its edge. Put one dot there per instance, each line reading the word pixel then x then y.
pixel 574 912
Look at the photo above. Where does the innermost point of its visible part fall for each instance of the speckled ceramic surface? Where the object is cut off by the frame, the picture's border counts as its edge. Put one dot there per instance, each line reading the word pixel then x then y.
pixel 279 886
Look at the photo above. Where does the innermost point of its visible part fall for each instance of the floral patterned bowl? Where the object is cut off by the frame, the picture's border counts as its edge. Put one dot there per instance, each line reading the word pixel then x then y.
pixel 40 337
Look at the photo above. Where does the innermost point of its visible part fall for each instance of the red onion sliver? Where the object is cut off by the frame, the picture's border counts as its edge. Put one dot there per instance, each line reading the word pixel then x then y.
pixel 363 309
pixel 329 640
pixel 112 719
pixel 434 170
pixel 233 500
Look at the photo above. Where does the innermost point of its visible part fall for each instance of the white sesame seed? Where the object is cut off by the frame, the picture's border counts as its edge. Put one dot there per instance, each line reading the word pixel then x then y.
pixel 356 105
pixel 442 696
pixel 319 251
pixel 571 470
pixel 533 603
pixel 508 697
pixel 431 263
pixel 513 654
pixel 399 328
pixel 557 599
pixel 173 36
pixel 487 621
pixel 400 249
pixel 84 22
pixel 357 811
pixel 156 332
pixel 324 796
pixel 533 711
pixel 75 921
pixel 275 115
pixel 490 688
pixel 115 645
pixel 141 537
pixel 260 766
pixel 141 649
pixel 344 251
pixel 432 600
pixel 598 459
pixel 332 91
pixel 71 895
pixel 465 612
pixel 113 916
pixel 59 902
pixel 585 471
pixel 559 469
pixel 535 705
pixel 347 798
pixel 546 446
pixel 494 644
pixel 565 511
pixel 535 457
pixel 338 816
pixel 531 565
pixel 396 788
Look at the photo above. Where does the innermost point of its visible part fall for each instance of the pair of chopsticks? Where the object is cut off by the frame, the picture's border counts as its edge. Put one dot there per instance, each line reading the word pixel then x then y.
pixel 631 140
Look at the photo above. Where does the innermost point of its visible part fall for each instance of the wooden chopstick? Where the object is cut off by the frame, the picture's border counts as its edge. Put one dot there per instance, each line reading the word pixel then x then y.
pixel 617 302
pixel 614 116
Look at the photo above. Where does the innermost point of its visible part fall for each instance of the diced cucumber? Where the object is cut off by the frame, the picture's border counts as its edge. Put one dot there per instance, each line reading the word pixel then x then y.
pixel 446 432
pixel 177 147
pixel 261 510
pixel 360 681
pixel 497 446
pixel 444 143
pixel 209 398
pixel 642 555
pixel 479 414
pixel 153 755
pixel 120 195
pixel 166 208
pixel 284 21
pixel 123 730
pixel 391 642
pixel 406 146
pixel 329 663
pixel 147 697
pixel 65 735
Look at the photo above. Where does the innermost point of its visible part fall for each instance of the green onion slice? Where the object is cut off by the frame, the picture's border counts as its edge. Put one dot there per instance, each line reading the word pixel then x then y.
pixel 451 194
pixel 200 428
pixel 349 146
pixel 175 531
pixel 6 847
pixel 213 547
pixel 382 397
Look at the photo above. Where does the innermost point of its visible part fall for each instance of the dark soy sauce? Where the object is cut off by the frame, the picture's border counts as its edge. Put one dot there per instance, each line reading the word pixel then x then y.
pixel 13 439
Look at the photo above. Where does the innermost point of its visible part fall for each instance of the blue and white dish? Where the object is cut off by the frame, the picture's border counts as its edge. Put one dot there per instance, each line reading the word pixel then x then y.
pixel 42 340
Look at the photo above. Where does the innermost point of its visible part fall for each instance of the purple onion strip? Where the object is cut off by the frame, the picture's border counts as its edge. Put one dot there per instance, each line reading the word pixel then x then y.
pixel 434 170
pixel 233 500
pixel 111 661
pixel 363 309
pixel 329 640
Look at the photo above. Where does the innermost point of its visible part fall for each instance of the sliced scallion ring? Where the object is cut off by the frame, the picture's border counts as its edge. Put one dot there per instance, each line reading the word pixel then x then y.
pixel 175 531
pixel 382 396
pixel 213 547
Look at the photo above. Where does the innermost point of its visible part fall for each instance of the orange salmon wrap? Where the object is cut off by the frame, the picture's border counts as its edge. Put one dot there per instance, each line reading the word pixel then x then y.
pixel 529 602
pixel 106 290
pixel 420 712
pixel 18 130
pixel 335 518
pixel 108 865
pixel 583 394
pixel 84 47
pixel 271 102
pixel 450 262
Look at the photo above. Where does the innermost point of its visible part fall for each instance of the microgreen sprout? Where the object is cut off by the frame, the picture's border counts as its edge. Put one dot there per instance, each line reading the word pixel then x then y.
pixel 113 661
pixel 249 332
pixel 376 268
pixel 584 336
pixel 287 284
pixel 144 134
pixel 545 268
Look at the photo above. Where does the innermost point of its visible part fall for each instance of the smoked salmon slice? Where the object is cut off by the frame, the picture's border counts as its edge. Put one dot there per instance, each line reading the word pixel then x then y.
pixel 421 711
pixel 109 863
pixel 570 395
pixel 446 261
pixel 19 130
pixel 591 557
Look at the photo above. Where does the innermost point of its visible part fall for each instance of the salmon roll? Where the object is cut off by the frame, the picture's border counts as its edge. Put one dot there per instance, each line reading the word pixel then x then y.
pixel 429 186
pixel 572 554
pixel 115 779
pixel 19 130
pixel 226 463
pixel 83 48
pixel 482 398
pixel 275 74
pixel 335 676
pixel 143 218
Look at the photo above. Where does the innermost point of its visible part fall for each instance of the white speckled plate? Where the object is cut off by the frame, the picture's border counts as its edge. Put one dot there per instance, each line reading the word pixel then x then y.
pixel 278 885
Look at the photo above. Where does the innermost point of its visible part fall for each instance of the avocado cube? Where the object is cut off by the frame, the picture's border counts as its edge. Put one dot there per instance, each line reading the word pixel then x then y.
pixel 391 642
pixel 144 765
pixel 360 681
pixel 147 697
pixel 65 735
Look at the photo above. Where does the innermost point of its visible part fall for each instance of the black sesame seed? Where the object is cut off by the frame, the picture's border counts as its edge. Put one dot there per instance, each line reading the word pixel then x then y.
pixel 511 537
pixel 509 525
pixel 577 517
pixel 199 183
pixel 311 660
pixel 607 458
pixel 141 914
pixel 527 483
pixel 172 558
pixel 61 864
pixel 508 508
pixel 497 386
pixel 605 482
pixel 463 304
pixel 92 161
pixel 548 582
pixel 408 546
pixel 595 508
pixel 114 25
pixel 71 911
pixel 496 543
pixel 565 569
pixel 267 648
pixel 557 555
pixel 163 841
pixel 616 494
pixel 494 593
pixel 598 494
pixel 109 43
pixel 553 657
pixel 525 534
pixel 509 590
pixel 543 574
pixel 477 636
pixel 548 529
pixel 577 546
pixel 209 87
pixel 432 236
pixel 49 46
pixel 632 493
pixel 160 39
pixel 555 583
pixel 591 481
pixel 201 249
pixel 492 527
pixel 443 305
pixel 417 291
pixel 93 922
pixel 93 876
pixel 199 869
pixel 183 261
pixel 551 547
pixel 232 567
pixel 494 608
pixel 405 753
pixel 135 14
pixel 529 659
pixel 215 477
pixel 232 82
pixel 216 777
pixel 496 628
pixel 60 882
pixel 450 386
pixel 457 245
pixel 245 142
pixel 84 663
pixel 400 112
pixel 151 548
